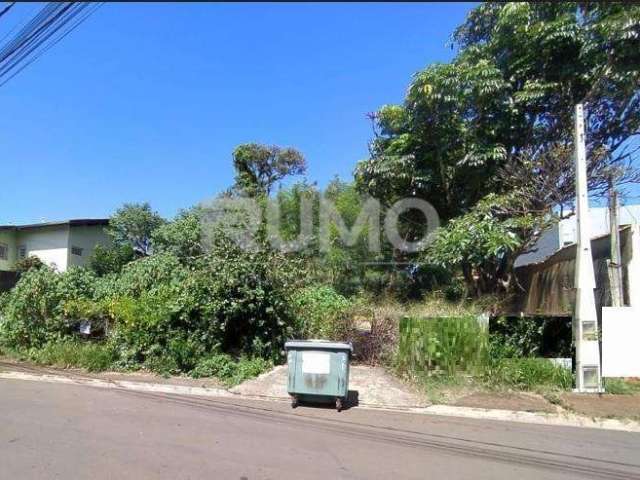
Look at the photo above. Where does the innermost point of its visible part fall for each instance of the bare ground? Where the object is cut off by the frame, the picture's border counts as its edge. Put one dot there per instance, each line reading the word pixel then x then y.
pixel 525 402
pixel 371 386
pixel 603 406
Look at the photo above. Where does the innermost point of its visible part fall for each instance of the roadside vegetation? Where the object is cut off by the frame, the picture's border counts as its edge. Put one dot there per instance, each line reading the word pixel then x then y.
pixel 486 138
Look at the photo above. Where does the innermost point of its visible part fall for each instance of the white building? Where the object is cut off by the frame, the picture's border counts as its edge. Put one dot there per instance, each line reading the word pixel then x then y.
pixel 563 233
pixel 57 244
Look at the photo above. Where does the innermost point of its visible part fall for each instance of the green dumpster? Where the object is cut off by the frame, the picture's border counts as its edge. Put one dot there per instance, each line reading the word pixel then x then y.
pixel 318 371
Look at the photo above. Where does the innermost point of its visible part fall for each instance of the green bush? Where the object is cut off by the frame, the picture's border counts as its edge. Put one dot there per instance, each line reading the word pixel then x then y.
pixel 249 295
pixel 149 273
pixel 106 260
pixel 160 325
pixel 182 237
pixel 94 357
pixel 527 373
pixel 461 345
pixel 534 336
pixel 220 366
pixel 455 292
pixel 228 370
pixel 160 312
pixel 321 312
pixel 620 386
pixel 32 313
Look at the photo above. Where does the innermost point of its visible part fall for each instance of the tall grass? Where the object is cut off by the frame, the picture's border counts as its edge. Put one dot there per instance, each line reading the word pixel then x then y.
pixel 94 357
pixel 526 373
pixel 621 386
pixel 447 344
pixel 461 345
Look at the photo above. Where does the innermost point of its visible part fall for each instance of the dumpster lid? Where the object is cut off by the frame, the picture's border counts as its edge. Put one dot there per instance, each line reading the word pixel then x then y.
pixel 318 344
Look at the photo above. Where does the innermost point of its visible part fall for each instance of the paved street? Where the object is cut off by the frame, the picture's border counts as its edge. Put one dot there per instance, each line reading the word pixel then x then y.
pixel 66 431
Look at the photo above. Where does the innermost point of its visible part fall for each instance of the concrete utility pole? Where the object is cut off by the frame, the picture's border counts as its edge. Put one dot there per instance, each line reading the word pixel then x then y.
pixel 585 319
pixel 615 262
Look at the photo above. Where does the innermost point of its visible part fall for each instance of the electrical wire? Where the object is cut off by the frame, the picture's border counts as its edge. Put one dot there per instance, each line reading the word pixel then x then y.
pixel 7 8
pixel 50 25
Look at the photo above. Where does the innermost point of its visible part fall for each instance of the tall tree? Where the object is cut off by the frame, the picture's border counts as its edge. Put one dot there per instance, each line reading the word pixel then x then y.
pixel 506 101
pixel 260 167
pixel 133 224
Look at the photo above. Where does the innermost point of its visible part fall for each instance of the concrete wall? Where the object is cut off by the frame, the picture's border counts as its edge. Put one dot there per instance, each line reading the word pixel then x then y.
pixel 48 243
pixel 620 334
pixel 86 238
pixel 8 238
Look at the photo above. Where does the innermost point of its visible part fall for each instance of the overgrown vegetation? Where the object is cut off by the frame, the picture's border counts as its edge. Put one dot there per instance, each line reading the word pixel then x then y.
pixel 446 351
pixel 620 386
pixel 485 138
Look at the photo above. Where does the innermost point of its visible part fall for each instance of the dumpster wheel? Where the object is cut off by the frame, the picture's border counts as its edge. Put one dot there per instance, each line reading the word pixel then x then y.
pixel 294 401
pixel 339 404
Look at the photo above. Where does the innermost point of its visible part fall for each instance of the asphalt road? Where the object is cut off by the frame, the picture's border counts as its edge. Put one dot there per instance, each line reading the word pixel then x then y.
pixel 72 432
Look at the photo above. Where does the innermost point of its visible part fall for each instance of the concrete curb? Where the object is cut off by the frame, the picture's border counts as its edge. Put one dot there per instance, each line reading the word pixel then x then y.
pixel 555 419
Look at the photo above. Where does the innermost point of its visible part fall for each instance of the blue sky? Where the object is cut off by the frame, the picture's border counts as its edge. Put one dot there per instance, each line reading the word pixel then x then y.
pixel 145 102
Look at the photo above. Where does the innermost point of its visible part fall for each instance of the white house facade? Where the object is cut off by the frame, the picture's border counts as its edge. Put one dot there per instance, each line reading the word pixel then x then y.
pixel 58 244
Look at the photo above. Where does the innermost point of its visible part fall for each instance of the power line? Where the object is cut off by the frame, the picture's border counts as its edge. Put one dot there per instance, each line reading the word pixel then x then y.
pixel 50 25
pixel 48 46
pixel 6 9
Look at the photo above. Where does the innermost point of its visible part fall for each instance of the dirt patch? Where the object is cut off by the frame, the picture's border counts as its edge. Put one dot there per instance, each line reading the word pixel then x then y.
pixel 603 406
pixel 374 386
pixel 525 402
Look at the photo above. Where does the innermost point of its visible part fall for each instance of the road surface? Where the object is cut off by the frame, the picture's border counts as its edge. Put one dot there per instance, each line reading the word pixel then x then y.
pixel 77 432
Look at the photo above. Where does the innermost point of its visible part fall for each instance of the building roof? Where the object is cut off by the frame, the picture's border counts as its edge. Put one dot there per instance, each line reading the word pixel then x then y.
pixel 79 222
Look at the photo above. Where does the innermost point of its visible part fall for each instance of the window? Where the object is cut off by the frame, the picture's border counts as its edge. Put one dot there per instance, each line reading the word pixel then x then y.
pixel 76 251
pixel 22 251
pixel 4 251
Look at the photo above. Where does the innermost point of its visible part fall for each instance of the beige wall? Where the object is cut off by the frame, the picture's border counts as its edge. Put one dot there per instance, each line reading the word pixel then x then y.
pixel 86 238
pixel 8 237
pixel 48 243
pixel 53 244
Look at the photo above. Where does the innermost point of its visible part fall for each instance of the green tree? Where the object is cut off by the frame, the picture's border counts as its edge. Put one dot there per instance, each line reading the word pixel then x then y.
pixel 181 237
pixel 345 267
pixel 105 260
pixel 133 224
pixel 484 243
pixel 259 167
pixel 508 99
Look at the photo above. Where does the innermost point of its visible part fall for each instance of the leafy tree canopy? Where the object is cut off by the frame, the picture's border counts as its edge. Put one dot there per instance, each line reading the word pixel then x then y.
pixel 259 167
pixel 509 96
pixel 182 237
pixel 133 224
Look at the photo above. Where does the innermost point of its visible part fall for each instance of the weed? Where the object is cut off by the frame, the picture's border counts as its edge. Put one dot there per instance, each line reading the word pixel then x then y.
pixel 620 386
pixel 228 370
pixel 527 374
pixel 66 354
pixel 448 344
